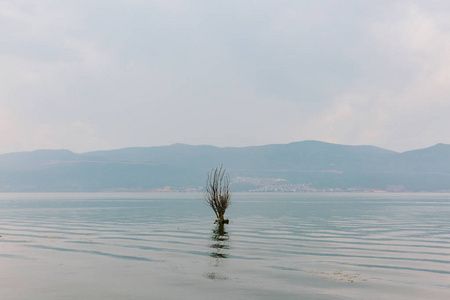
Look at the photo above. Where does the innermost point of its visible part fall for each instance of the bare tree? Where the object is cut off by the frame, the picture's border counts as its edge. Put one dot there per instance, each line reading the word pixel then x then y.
pixel 217 194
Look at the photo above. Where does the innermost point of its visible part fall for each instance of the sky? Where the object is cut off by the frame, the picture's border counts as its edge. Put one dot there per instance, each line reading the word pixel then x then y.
pixel 94 75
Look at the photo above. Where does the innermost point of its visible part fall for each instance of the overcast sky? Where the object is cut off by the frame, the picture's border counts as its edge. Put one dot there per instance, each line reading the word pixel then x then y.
pixel 91 75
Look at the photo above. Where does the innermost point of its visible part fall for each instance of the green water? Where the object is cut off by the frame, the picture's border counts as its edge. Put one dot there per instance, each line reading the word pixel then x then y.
pixel 277 246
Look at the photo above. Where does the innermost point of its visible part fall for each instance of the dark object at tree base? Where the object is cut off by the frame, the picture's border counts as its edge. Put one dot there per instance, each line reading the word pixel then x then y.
pixel 226 221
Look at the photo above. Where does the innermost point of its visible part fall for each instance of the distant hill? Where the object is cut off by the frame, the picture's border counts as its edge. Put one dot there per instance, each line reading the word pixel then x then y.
pixel 299 166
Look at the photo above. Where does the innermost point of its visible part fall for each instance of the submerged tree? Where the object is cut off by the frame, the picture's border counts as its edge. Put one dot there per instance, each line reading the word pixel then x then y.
pixel 217 194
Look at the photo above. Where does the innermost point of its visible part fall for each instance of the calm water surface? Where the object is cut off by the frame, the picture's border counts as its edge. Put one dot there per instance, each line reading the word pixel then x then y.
pixel 277 246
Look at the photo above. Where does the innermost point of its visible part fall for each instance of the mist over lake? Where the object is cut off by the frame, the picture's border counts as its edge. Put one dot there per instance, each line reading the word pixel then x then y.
pixel 326 121
pixel 277 246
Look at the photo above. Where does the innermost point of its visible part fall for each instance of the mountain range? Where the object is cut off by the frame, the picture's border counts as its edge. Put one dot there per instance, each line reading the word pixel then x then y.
pixel 298 166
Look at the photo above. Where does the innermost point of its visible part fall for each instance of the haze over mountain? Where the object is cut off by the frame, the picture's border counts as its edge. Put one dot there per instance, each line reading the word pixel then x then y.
pixel 299 166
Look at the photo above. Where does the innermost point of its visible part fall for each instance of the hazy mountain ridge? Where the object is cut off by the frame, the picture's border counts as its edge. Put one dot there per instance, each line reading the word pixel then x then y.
pixel 299 166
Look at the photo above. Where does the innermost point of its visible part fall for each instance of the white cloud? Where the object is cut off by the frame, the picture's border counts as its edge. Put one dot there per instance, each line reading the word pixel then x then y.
pixel 89 75
pixel 402 101
pixel 43 65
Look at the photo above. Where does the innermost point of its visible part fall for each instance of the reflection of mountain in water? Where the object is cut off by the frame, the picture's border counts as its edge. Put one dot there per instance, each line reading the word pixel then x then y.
pixel 220 250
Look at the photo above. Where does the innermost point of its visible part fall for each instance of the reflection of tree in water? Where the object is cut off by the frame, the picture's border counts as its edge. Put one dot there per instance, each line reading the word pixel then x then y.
pixel 220 250
pixel 220 243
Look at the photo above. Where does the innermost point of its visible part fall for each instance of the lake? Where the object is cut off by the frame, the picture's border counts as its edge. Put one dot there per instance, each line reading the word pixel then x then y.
pixel 277 246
